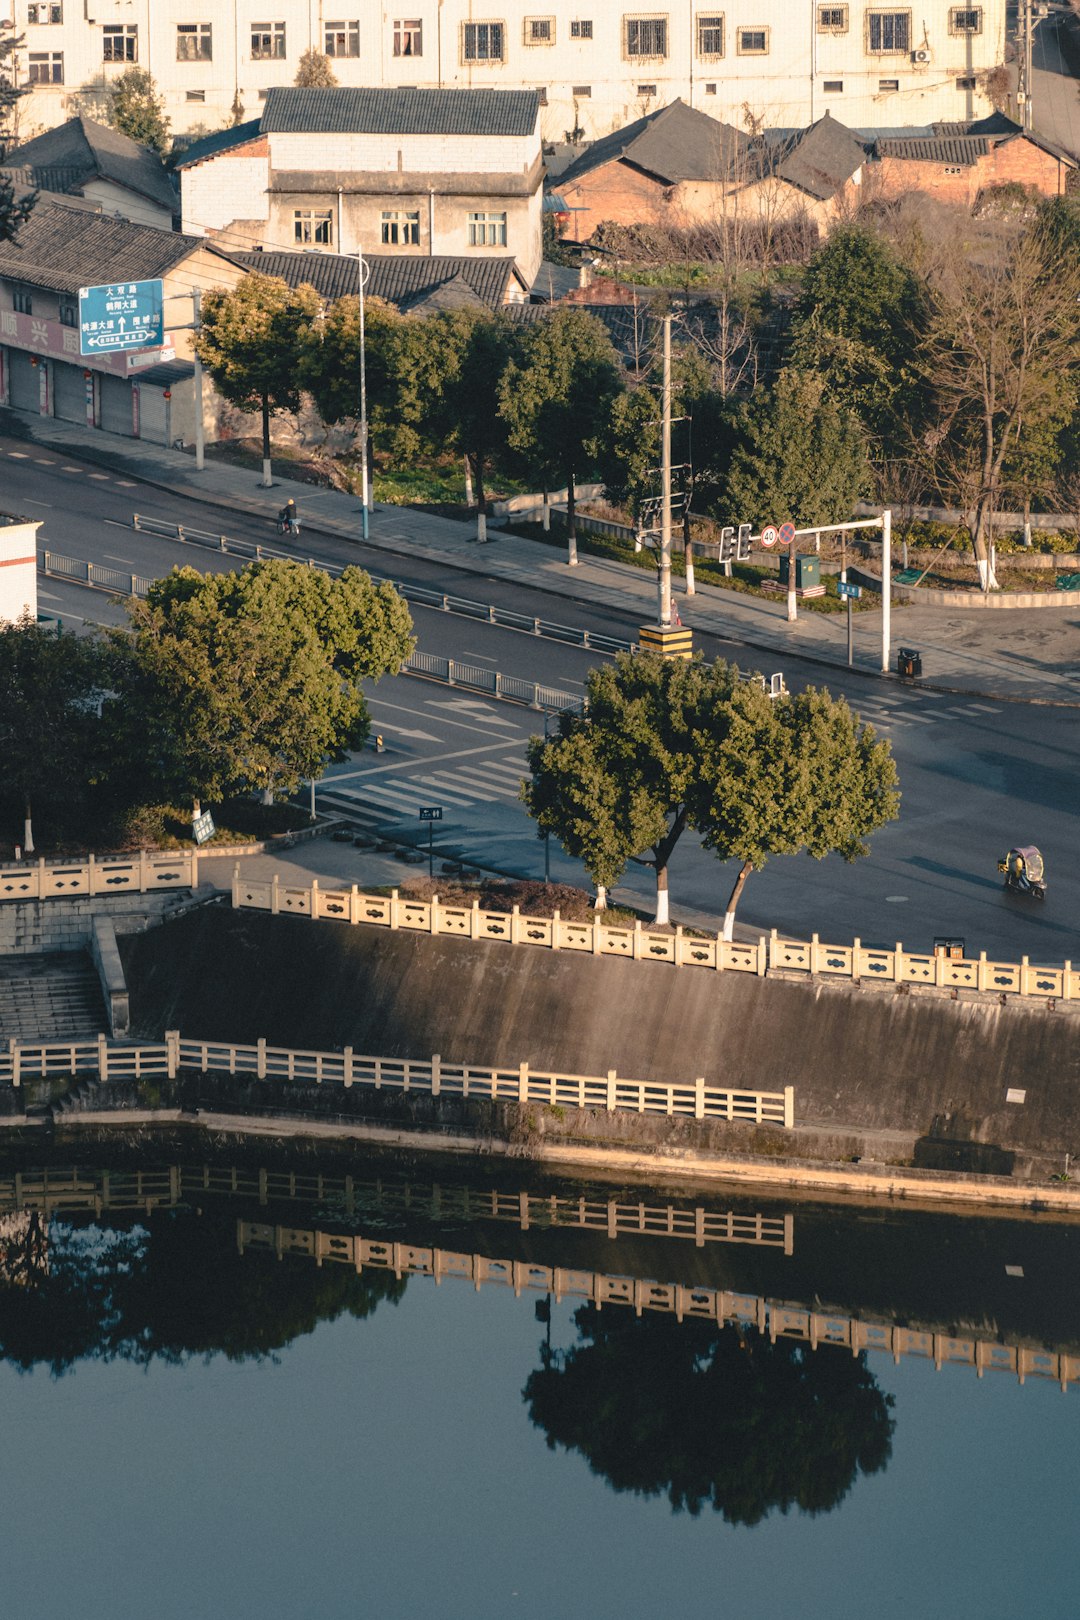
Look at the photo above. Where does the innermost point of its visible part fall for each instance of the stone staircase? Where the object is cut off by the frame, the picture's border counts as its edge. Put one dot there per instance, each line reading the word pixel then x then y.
pixel 53 997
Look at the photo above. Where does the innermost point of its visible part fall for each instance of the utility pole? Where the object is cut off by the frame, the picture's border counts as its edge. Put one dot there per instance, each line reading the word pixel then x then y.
pixel 365 507
pixel 196 321
pixel 1023 58
pixel 664 637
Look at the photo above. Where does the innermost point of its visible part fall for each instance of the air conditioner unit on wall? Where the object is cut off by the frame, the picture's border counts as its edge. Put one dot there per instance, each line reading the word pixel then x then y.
pixel 921 57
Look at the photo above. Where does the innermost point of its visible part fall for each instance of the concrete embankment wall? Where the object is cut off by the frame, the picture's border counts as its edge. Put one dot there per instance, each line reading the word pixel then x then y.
pixel 862 1061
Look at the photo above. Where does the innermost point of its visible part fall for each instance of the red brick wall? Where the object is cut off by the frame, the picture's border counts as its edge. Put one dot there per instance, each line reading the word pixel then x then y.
pixel 1017 159
pixel 617 192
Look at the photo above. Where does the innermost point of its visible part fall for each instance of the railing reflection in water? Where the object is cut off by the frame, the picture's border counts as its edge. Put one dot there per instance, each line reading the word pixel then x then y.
pixel 722 1305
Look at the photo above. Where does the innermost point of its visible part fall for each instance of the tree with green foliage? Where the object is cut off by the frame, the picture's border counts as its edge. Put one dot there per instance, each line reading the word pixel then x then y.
pixel 50 694
pixel 556 396
pixel 613 784
pixel 666 745
pixel 711 1415
pixel 251 680
pixel 789 775
pixel 628 453
pixel 250 339
pixel 136 109
pixel 798 456
pixel 13 210
pixel 858 322
pixel 462 409
pixel 315 72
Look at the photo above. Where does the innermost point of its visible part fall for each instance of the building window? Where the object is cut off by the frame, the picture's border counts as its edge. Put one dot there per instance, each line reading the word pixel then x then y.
pixel 342 38
pixel 46 67
pixel 965 20
pixel 120 43
pixel 312 227
pixel 967 82
pixel 833 87
pixel 832 19
pixel 267 41
pixel 194 42
pixel 645 36
pixel 753 41
pixel 482 42
pixel 194 95
pixel 408 37
pixel 401 230
pixel 69 312
pixel 487 230
pixel 23 300
pixel 51 12
pixel 581 92
pixel 646 89
pixel 710 34
pixel 541 94
pixel 888 32
pixel 581 28
pixel 710 89
pixel 886 87
pixel 539 30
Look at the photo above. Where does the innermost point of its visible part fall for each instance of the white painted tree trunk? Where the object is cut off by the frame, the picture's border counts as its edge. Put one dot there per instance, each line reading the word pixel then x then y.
pixel 601 897
pixel 28 833
pixel 267 480
pixel 267 795
pixel 729 926
pixel 663 916
pixel 987 574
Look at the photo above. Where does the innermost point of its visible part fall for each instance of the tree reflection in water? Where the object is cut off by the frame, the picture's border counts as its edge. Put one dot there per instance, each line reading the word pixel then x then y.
pixel 168 1290
pixel 712 1416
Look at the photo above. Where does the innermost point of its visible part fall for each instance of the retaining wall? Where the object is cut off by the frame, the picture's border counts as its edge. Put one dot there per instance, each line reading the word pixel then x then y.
pixel 28 927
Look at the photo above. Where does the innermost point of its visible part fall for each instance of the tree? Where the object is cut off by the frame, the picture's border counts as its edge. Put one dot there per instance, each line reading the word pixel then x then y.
pixel 712 1416
pixel 250 340
pixel 556 398
pixel 797 456
pixel 462 409
pixel 629 450
pixel 247 680
pixel 50 688
pixel 665 745
pixel 613 783
pixel 13 210
pixel 778 776
pixel 1000 351
pixel 136 109
pixel 401 372
pixel 857 322
pixel 315 72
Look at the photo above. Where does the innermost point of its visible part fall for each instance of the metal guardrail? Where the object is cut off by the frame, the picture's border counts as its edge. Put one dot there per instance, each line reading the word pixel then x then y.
pixel 423 596
pixel 613 1093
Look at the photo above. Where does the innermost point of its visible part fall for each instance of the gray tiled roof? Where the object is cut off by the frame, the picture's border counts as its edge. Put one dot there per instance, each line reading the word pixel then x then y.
pixel 401 279
pixel 80 150
pixel 820 159
pixel 956 150
pixel 222 140
pixel 292 110
pixel 675 143
pixel 66 248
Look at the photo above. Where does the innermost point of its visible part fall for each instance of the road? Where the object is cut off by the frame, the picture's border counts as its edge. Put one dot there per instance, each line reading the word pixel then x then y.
pixel 976 775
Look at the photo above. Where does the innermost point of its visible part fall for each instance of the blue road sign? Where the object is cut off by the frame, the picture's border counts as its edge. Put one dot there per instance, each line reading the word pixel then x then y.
pixel 844 589
pixel 432 812
pixel 123 315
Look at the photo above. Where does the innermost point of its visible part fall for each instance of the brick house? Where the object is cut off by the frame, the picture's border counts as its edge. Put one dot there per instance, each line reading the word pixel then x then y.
pixel 957 162
pixel 417 173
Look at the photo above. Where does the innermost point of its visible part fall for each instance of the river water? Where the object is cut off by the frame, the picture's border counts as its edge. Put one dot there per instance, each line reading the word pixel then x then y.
pixel 501 1394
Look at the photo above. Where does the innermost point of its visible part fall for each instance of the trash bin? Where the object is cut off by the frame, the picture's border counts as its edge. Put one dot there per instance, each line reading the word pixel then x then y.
pixel 908 663
pixel 951 948
pixel 807 572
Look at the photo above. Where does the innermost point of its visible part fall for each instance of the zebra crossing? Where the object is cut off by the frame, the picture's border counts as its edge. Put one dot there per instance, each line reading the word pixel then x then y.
pixel 884 712
pixel 376 798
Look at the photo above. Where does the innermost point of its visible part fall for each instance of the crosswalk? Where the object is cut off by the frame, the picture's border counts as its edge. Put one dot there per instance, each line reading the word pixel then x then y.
pixel 376 797
pixel 884 712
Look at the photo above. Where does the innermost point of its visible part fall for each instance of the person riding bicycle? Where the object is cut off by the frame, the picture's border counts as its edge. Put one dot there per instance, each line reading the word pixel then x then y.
pixel 288 521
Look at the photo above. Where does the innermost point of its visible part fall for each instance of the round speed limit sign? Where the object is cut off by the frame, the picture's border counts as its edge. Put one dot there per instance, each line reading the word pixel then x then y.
pixel 769 535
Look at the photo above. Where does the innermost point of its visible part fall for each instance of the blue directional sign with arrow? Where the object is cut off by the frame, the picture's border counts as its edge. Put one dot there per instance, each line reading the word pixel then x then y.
pixel 123 315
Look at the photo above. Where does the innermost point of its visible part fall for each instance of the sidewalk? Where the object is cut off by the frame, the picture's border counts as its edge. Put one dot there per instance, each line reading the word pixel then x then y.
pixel 1029 655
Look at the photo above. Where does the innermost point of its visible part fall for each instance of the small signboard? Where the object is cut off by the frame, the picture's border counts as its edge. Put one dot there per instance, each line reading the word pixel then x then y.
pixel 121 315
pixel 202 827
pixel 433 812
pixel 769 535
pixel 843 588
pixel 787 533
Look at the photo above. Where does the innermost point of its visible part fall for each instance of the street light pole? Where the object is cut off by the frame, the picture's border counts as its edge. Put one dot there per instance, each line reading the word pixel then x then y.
pixel 196 319
pixel 365 509
pixel 664 574
pixel 886 587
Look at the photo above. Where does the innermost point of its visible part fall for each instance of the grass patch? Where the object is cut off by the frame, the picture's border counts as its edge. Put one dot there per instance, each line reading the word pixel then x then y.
pixel 167 827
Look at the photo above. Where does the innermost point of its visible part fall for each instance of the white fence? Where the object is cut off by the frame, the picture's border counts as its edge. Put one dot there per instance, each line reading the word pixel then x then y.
pixel 767 954
pixel 136 874
pixel 111 1060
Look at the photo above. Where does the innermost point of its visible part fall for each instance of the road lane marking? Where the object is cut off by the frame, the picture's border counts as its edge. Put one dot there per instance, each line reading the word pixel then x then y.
pixel 413 764
pixel 28 502
pixel 104 476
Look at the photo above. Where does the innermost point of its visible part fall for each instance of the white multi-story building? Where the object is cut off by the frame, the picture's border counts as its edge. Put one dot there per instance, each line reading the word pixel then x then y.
pixel 598 64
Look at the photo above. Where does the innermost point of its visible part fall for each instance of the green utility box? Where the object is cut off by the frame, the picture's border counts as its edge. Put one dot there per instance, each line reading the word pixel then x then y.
pixel 807 572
